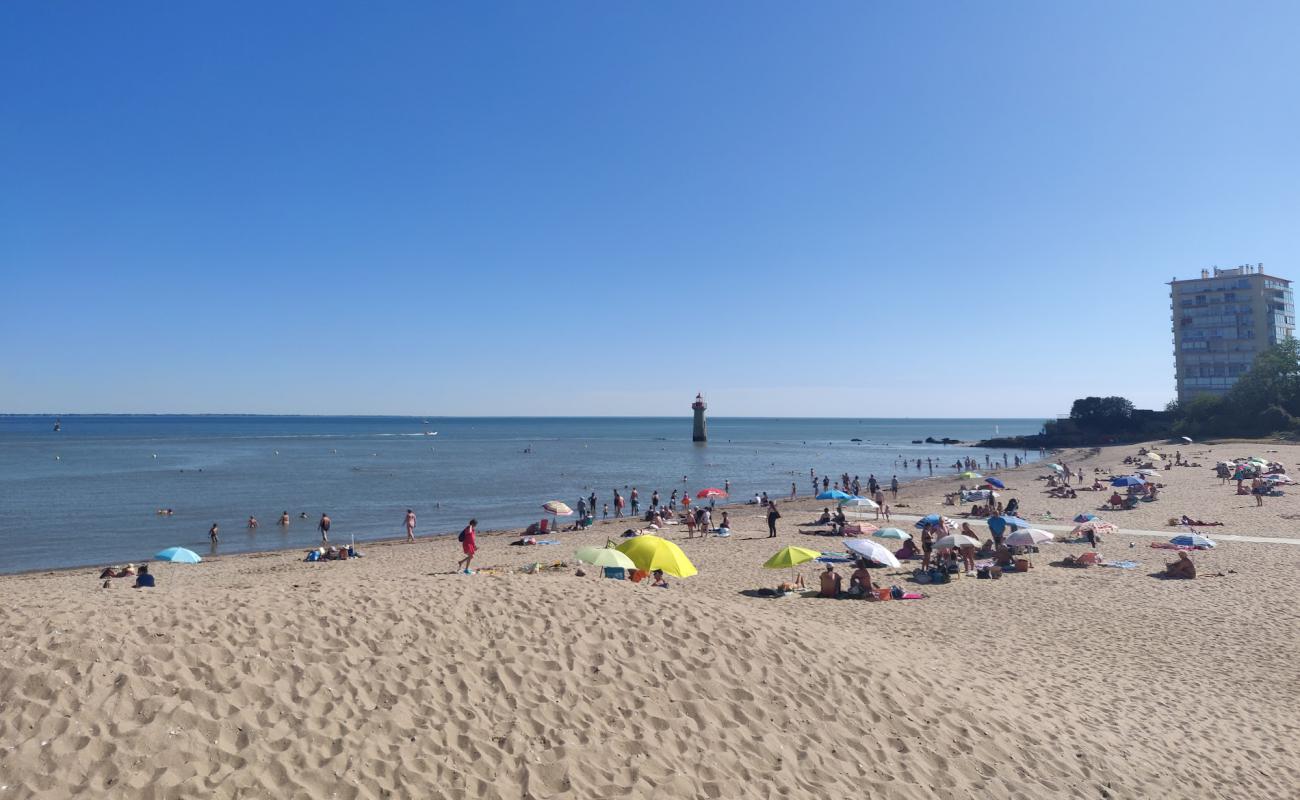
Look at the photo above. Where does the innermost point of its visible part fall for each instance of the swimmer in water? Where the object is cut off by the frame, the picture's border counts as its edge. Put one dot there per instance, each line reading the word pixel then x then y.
pixel 284 519
pixel 252 522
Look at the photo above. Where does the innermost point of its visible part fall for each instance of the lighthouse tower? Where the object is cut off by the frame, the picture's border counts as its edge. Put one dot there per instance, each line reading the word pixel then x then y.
pixel 700 434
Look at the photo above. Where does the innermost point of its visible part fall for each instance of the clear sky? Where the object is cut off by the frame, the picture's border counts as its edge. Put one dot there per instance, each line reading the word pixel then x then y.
pixel 803 209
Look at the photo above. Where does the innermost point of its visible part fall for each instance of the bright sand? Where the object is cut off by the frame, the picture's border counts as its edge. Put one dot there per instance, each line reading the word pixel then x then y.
pixel 262 676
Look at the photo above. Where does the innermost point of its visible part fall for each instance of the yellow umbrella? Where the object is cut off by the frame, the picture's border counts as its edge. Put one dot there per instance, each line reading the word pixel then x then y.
pixel 791 557
pixel 651 553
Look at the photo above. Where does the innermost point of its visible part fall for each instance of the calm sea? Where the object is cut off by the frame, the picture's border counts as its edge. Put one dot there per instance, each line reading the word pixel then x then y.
pixel 88 494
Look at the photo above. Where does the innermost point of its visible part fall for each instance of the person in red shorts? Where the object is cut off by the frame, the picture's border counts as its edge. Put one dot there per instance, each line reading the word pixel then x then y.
pixel 469 546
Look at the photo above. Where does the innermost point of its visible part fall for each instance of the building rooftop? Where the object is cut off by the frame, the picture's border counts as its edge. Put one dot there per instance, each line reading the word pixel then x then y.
pixel 1231 272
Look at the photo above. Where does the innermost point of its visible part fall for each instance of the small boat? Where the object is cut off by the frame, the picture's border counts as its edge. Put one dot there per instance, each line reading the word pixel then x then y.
pixel 855 440
pixel 58 424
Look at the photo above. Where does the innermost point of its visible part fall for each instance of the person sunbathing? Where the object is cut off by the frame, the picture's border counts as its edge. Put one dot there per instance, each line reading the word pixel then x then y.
pixel 1186 520
pixel 797 586
pixel 1182 568
pixel 1002 556
pixel 831 582
pixel 860 581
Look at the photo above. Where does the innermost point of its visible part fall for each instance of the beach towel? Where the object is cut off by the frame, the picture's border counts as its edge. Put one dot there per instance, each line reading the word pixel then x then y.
pixel 835 558
pixel 1121 564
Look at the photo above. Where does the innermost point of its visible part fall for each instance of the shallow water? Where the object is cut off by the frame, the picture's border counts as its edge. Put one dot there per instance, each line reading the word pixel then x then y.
pixel 89 493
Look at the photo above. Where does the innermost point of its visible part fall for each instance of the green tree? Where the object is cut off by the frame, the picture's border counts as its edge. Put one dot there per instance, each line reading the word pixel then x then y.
pixel 1110 414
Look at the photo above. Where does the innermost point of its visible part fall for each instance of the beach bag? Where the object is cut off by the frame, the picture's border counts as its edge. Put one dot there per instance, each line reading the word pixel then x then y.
pixel 982 573
pixel 313 555
pixel 461 537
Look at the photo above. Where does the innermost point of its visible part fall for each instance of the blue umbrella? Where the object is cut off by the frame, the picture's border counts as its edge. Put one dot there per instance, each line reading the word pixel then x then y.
pixel 999 524
pixel 931 519
pixel 833 494
pixel 995 482
pixel 178 555
pixel 1086 518
pixel 1191 540
pixel 1127 480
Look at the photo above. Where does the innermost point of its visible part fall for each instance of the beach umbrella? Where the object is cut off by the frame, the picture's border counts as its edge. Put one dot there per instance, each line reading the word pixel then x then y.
pixel 1086 517
pixel 1147 473
pixel 1192 540
pixel 929 519
pixel 970 476
pixel 995 483
pixel 1029 536
pixel 1278 478
pixel 999 524
pixel 956 540
pixel 1057 467
pixel 790 557
pixel 1096 526
pixel 710 494
pixel 651 553
pixel 1127 480
pixel 557 508
pixel 1155 456
pixel 858 502
pixel 834 494
pixel 891 533
pixel 873 551
pixel 860 528
pixel 604 557
pixel 178 555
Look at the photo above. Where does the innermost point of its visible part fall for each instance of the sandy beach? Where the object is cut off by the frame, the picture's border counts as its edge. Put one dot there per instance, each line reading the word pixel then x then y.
pixel 393 676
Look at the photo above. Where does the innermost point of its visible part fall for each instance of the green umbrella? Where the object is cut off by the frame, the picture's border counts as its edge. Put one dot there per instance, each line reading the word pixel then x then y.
pixel 891 533
pixel 604 557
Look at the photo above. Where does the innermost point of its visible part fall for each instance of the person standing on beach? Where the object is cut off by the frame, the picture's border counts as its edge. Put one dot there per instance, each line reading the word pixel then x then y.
pixel 468 545
pixel 794 490
pixel 591 503
pixel 212 533
pixel 654 500
pixel 636 502
pixel 410 525
pixel 772 516
pixel 618 504
pixel 879 497
pixel 893 486
pixel 672 501
pixel 604 514
pixel 324 527
pixel 826 483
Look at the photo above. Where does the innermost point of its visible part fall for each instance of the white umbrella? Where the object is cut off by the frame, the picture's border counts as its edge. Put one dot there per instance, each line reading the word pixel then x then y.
pixel 1029 536
pixel 858 502
pixel 955 540
pixel 873 551
pixel 1057 467
pixel 1187 439
pixel 1150 473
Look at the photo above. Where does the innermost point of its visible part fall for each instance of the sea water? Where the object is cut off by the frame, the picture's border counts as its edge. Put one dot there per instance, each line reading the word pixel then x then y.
pixel 89 493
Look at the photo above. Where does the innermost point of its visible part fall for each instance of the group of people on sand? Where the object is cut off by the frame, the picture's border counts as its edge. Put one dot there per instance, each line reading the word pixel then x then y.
pixel 143 580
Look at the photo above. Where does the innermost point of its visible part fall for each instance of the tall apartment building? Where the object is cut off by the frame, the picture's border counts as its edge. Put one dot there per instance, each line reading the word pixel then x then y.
pixel 1221 321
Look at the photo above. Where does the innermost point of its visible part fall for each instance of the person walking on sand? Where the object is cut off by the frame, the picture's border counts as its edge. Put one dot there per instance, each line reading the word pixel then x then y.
pixel 410 525
pixel 893 486
pixel 772 516
pixel 469 546
pixel 618 504
pixel 324 527
pixel 880 501
pixel 212 533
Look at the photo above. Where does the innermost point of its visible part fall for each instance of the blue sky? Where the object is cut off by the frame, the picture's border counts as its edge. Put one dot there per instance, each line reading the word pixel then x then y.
pixel 858 209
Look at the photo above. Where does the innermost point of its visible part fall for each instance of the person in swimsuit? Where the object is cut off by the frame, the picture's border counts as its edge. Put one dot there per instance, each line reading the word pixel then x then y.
pixel 927 547
pixel 324 527
pixel 772 516
pixel 252 522
pixel 410 525
pixel 469 546
pixel 284 519
pixel 831 582
pixel 212 533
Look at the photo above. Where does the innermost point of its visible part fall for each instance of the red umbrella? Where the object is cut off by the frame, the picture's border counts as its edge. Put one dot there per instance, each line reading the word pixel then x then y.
pixel 709 494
